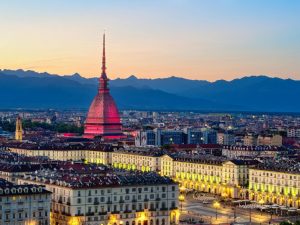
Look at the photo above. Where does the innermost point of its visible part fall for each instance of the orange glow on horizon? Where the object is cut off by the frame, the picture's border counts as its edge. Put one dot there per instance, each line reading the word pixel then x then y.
pixel 202 40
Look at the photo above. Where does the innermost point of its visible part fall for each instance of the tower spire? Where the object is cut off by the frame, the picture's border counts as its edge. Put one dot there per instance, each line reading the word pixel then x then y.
pixel 103 80
pixel 19 131
pixel 103 59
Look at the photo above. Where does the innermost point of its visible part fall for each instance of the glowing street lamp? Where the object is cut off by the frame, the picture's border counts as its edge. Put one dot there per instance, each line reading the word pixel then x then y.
pixel 182 189
pixel 181 199
pixel 261 202
pixel 216 205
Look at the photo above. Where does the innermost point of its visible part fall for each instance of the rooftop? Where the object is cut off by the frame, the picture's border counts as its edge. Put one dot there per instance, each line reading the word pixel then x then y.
pixel 254 148
pixel 62 145
pixel 153 152
pixel 79 178
pixel 280 165
pixel 8 188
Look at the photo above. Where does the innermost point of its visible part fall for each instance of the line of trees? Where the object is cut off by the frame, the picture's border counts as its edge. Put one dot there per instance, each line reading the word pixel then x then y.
pixel 28 124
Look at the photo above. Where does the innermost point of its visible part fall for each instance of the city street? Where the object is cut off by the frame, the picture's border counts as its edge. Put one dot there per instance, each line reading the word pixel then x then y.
pixel 224 214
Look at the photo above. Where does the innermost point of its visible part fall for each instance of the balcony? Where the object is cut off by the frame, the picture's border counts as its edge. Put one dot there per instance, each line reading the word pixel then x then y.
pixel 90 214
pixel 133 200
pixel 102 213
pixel 164 209
pixel 96 202
pixel 146 200
pixel 121 201
pixel 108 202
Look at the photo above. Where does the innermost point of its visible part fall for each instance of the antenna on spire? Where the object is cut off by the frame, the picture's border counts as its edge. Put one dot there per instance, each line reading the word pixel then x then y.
pixel 103 58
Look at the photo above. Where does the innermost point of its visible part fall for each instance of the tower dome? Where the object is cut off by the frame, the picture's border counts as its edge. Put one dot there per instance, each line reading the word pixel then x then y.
pixel 103 117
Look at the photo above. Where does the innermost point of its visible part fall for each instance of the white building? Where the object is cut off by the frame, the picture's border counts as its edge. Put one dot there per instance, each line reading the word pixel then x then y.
pixel 276 182
pixel 115 198
pixel 24 204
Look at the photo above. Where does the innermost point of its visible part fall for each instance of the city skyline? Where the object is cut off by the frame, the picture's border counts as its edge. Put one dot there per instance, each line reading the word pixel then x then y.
pixel 152 39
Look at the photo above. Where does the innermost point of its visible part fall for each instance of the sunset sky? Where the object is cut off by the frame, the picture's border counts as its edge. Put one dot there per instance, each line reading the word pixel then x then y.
pixel 197 39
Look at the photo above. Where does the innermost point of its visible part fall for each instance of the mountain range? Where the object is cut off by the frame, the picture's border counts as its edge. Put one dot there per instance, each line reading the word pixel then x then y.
pixel 32 90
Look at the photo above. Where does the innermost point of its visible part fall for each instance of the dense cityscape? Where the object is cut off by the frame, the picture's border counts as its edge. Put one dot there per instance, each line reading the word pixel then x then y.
pixel 214 145
pixel 166 168
pixel 160 168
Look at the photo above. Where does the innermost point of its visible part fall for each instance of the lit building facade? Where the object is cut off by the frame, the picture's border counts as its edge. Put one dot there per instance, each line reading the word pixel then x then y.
pixel 129 199
pixel 103 118
pixel 24 204
pixel 211 176
pixel 19 130
pixel 280 187
pixel 228 179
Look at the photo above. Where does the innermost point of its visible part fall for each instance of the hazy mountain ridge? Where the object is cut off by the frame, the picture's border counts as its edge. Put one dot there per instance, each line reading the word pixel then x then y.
pixel 29 89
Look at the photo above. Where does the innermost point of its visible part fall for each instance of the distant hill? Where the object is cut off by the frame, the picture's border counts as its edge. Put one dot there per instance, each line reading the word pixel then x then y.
pixel 29 89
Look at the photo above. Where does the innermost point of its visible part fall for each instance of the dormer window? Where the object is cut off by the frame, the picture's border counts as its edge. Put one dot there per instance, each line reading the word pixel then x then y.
pixel 13 190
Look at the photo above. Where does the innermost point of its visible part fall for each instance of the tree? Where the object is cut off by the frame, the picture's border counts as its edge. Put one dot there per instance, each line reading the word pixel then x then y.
pixel 285 223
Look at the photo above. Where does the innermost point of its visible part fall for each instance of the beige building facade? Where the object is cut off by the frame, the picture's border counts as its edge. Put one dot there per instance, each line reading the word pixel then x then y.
pixel 222 178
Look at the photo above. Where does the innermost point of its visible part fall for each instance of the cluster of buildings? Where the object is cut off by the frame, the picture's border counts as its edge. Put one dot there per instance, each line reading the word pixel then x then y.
pixel 161 137
pixel 65 192
pixel 24 204
pixel 257 173
pixel 128 168
pixel 208 173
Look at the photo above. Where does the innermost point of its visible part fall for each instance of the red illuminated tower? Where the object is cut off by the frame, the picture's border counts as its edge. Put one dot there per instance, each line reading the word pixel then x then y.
pixel 103 118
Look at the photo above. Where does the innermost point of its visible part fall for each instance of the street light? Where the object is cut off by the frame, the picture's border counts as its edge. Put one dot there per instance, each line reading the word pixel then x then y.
pixel 261 202
pixel 271 217
pixel 216 205
pixel 182 189
pixel 181 199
